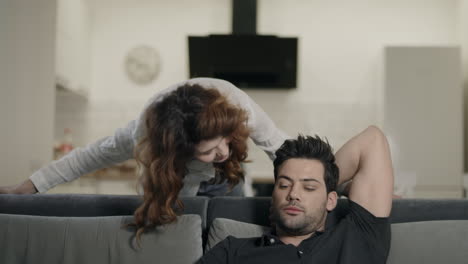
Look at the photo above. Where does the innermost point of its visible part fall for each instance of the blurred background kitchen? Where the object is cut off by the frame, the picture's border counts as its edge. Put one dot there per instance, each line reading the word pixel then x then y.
pixel 69 75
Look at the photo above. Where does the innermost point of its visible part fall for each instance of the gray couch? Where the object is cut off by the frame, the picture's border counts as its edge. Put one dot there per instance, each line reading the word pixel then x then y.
pixel 51 228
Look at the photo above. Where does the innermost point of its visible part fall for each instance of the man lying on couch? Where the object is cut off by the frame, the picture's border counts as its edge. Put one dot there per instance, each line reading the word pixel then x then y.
pixel 306 177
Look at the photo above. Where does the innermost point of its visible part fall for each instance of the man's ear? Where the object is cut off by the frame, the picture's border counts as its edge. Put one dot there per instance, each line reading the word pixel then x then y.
pixel 332 199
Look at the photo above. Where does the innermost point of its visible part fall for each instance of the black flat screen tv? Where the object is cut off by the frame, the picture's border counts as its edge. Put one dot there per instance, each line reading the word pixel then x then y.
pixel 248 61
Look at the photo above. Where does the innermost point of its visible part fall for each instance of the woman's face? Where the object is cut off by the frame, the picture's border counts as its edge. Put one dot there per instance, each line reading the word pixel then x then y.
pixel 213 150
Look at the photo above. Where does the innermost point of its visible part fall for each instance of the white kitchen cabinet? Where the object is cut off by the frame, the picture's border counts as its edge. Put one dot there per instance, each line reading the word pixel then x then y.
pixel 27 94
pixel 423 116
pixel 73 48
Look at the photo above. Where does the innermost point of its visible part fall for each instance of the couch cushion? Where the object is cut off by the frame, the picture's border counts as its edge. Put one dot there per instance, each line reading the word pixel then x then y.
pixel 429 242
pixel 40 239
pixel 222 228
pixel 412 243
pixel 253 210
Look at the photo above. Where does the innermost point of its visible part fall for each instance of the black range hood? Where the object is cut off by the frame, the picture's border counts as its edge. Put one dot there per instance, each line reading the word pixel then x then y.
pixel 244 58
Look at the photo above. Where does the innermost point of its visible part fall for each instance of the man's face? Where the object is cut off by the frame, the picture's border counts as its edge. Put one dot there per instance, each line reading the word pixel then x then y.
pixel 300 200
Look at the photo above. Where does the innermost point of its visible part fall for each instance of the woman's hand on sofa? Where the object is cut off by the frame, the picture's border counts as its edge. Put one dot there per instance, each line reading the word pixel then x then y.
pixel 26 187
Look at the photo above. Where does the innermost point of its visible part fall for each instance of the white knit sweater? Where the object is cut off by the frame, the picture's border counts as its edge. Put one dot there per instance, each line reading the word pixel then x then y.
pixel 119 147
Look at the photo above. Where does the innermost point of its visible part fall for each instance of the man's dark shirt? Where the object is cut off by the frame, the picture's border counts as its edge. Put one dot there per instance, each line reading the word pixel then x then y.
pixel 358 238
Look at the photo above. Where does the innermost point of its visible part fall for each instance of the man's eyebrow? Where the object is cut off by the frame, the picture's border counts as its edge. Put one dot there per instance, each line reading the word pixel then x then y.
pixel 310 180
pixel 303 180
pixel 284 177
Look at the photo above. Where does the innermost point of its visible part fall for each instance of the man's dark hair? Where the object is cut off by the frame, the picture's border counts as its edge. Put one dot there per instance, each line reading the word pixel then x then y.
pixel 314 148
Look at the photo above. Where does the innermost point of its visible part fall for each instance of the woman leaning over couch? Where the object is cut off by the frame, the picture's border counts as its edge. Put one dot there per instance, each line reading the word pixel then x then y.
pixel 190 140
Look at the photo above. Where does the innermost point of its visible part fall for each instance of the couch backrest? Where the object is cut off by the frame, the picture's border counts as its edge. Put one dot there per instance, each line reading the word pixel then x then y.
pixel 415 210
pixel 66 222
pixel 86 205
pixel 255 210
pixel 103 239
pixel 245 209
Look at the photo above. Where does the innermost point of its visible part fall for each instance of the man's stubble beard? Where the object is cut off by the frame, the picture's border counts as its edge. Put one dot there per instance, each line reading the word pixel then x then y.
pixel 300 225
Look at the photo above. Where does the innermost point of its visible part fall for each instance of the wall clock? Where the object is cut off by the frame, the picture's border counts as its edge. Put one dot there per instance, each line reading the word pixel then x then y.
pixel 142 64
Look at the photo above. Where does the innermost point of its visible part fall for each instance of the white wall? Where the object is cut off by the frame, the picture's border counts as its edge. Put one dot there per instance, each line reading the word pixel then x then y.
pixel 340 77
pixel 27 99
pixel 121 25
pixel 341 57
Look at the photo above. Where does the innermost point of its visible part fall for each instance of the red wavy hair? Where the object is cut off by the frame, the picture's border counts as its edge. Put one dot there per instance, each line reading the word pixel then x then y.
pixel 174 126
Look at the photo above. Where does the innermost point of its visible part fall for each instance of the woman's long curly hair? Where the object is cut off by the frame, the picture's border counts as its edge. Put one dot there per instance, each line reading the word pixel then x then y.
pixel 174 126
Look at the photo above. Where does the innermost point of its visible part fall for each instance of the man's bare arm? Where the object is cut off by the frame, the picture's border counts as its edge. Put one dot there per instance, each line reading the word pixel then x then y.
pixel 365 159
